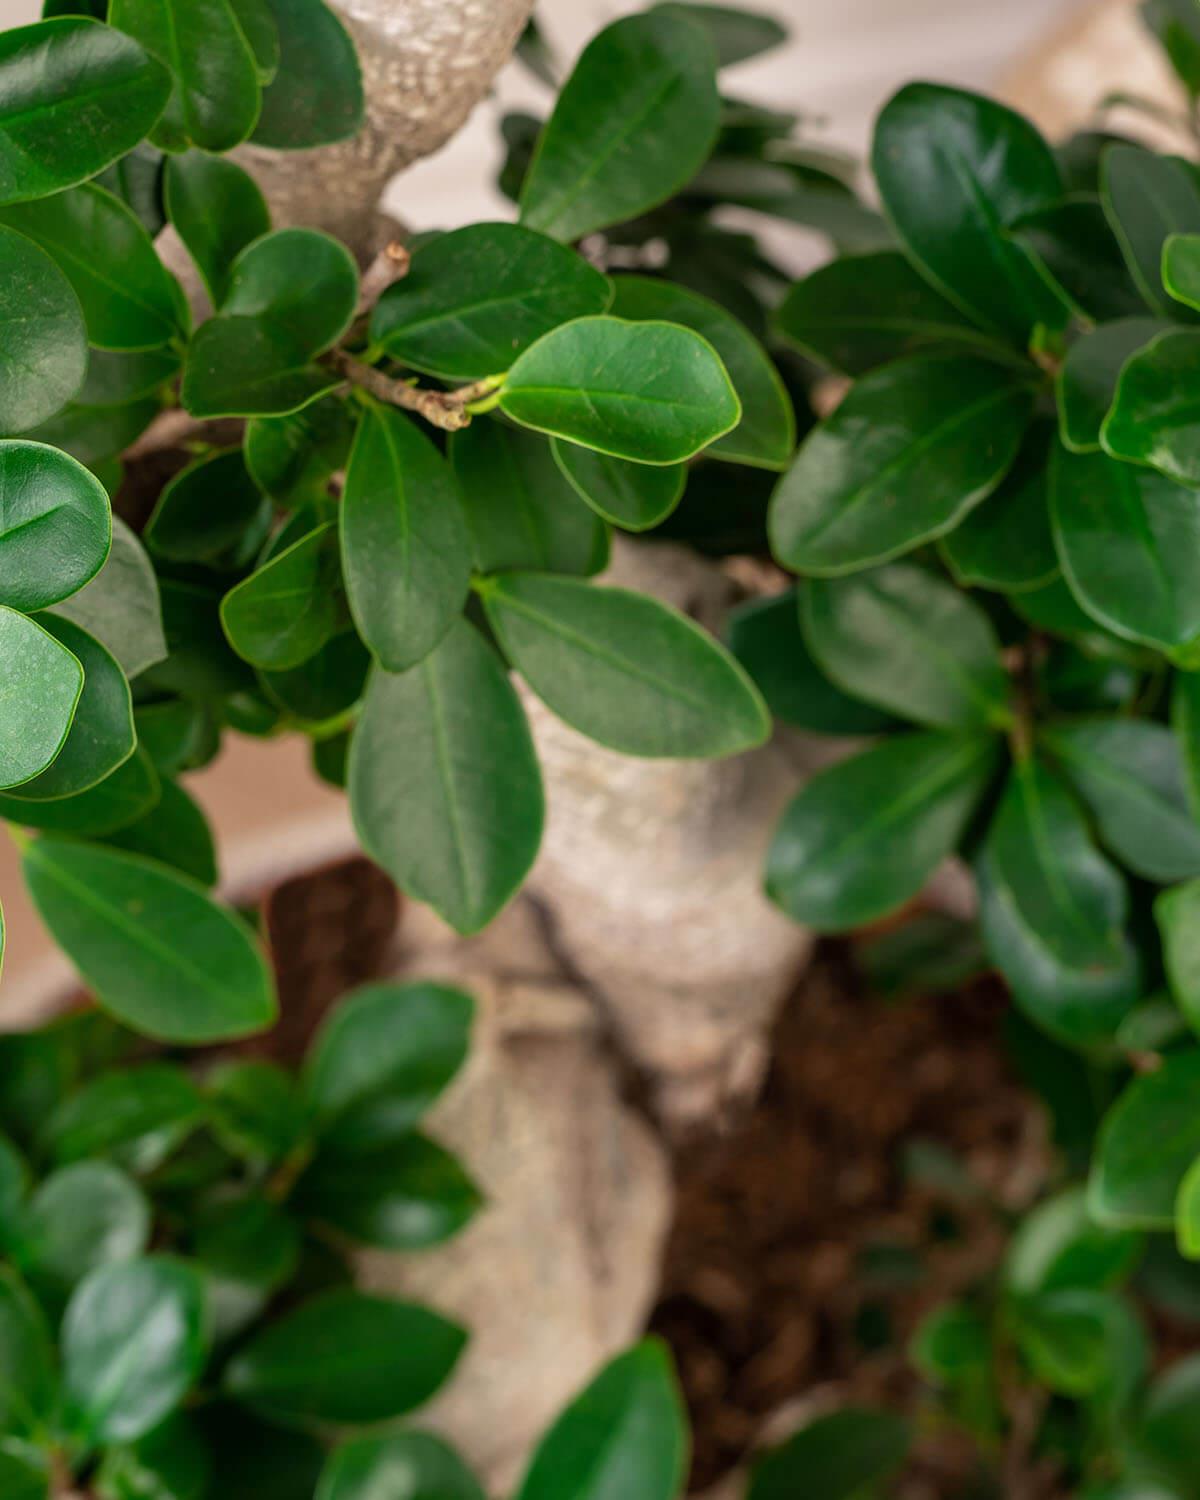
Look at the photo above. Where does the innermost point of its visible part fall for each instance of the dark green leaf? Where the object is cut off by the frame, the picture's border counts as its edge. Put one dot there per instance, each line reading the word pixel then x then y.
pixel 157 951
pixel 82 1217
pixel 736 34
pixel 245 367
pixel 175 832
pixel 255 1460
pixel 128 793
pixel 201 663
pixel 903 459
pixel 316 97
pixel 1155 417
pixel 1167 1429
pixel 1059 1246
pixel 1088 378
pixel 178 735
pixel 293 458
pixel 1083 1343
pixel 249 1240
pixel 461 826
pixel 626 1435
pixel 95 435
pixel 1006 543
pixel 121 606
pixel 865 835
pixel 283 614
pixel 1185 720
pixel 905 640
pixel 633 123
pixel 137 179
pixel 931 953
pixel 55 525
pixel 303 284
pixel 1147 1143
pixel 76 96
pixel 325 686
pixel 521 510
pixel 41 683
pixel 44 356
pixel 838 1457
pixel 1176 914
pixel 633 496
pixel 217 210
pixel 475 299
pixel 956 171
pixel 406 551
pixel 136 1116
pixel 1074 248
pixel 118 379
pixel 26 1360
pixel 256 1110
pixel 133 1344
pixel 624 669
pixel 1148 198
pixel 431 1470
pixel 1053 912
pixel 171 1462
pixel 24 1475
pixel 205 510
pixel 345 1357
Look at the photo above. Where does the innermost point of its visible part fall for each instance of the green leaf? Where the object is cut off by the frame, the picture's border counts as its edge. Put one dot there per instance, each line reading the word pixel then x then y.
pixel 406 551
pixel 839 1457
pixel 76 95
pixel 175 832
pixel 293 458
pixel 245 367
pixel 217 210
pixel 1148 198
pixel 136 1116
pixel 1129 543
pixel 766 435
pixel 178 735
pixel 427 1467
pixel 327 685
pixel 1175 912
pixel 249 1240
pixel 1167 1428
pixel 1177 26
pixel 626 1435
pixel 1087 380
pixel 407 1194
pixel 118 379
pixel 126 794
pixel 865 835
pixel 624 669
pixel 283 614
pixel 652 392
pixel 1187 1213
pixel 1185 720
pixel 765 636
pixel 303 284
pixel 316 98
pixel 633 496
pixel 40 683
pixel 127 294
pixel 201 664
pixel 82 1217
pixel 215 99
pixel 1148 1141
pixel 635 120
pixel 257 21
pixel 1181 268
pixel 133 1343
pixel 475 299
pixel 1074 249
pixel 345 1357
pixel 1082 1343
pixel 905 640
pixel 865 310
pixel 205 510
pixel 172 1462
pixel 1155 418
pixel 1053 912
pixel 137 179
pixel 159 954
pixel 736 34
pixel 1059 1246
pixel 24 1475
pixel 903 459
pixel 44 356
pixel 55 525
pixel 96 435
pixel 256 1110
pixel 121 606
pixel 956 171
pixel 26 1360
pixel 382 1058
pixel 1131 776
pixel 461 826
pixel 1006 543
pixel 521 508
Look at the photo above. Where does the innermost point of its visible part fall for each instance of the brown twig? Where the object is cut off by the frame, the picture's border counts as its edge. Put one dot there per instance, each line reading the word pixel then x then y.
pixel 444 409
pixel 390 265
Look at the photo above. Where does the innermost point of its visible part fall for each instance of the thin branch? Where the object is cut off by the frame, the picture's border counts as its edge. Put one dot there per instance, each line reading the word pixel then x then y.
pixel 390 265
pixel 444 409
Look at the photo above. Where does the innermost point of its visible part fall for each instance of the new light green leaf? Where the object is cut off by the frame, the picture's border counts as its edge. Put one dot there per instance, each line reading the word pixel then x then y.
pixel 653 392
pixel 55 525
pixel 217 209
pixel 1148 1141
pixel 121 605
pixel 44 353
pixel 444 784
pixel 624 669
pixel 1155 414
pixel 40 685
pixel 1148 198
pixel 157 951
pixel 635 120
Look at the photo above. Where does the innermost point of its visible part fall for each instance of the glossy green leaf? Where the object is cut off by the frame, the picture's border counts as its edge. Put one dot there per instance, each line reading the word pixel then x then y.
pixel 26 1359
pixel 285 612
pixel 624 669
pixel 300 282
pixel 521 508
pixel 1130 774
pixel 1081 1343
pixel 956 171
pixel 82 1217
pixel 1187 1213
pixel 1058 1246
pixel 475 299
pixel 24 1475
pixel 1155 417
pixel 327 684
pixel 345 1357
pixel 1129 543
pixel 316 97
pixel 1148 1141
pixel 247 1239
pixel 903 459
pixel 245 367
pixel 133 1343
pixel 1185 720
pixel 1053 912
pixel 839 1457
pixel 461 826
pixel 55 525
pixel 1073 247
pixel 423 1464
pixel 136 1116
pixel 865 835
pixel 259 27
pixel 766 434
pixel 215 98
pixel 205 510
pixel 736 33
pixel 126 794
pixel 1087 380
pixel 159 954
pixel 44 356
pixel 1007 543
pixel 634 496
pixel 1167 1428
pixel 256 1110
pixel 626 1435
pixel 1181 268
pixel 1176 913
pixel 217 209
pixel 76 96
pixel 406 551
pixel 201 664
pixel 1148 198
pixel 136 178
pixel 636 119
pixel 174 832
pixel 121 605
pixel 652 392
pixel 904 640
pixel 293 458
pixel 127 295
pixel 40 683
pixel 172 1461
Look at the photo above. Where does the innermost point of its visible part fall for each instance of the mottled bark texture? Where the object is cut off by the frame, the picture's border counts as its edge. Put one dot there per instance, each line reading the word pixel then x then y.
pixel 426 64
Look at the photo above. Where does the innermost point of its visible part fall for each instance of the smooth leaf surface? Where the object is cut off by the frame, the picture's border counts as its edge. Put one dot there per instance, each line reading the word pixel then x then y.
pixel 325 686
pixel 1181 268
pixel 1148 1141
pixel 245 367
pixel 444 783
pixel 1176 912
pixel 293 458
pixel 285 612
pixel 55 525
pixel 40 685
pixel 82 1217
pixel 259 27
pixel 24 1476
pixel 635 497
pixel 256 1110
pixel 1155 415
pixel 136 1116
pixel 44 354
pixel 736 34
pixel 1073 247
pixel 121 605
pixel 624 669
pixel 26 1358
pixel 837 1456
pixel 1007 543
pixel 416 1464
pixel 175 832
pixel 316 97
pixel 115 379
pixel 127 793
pixel 217 209
pixel 205 510
pixel 1148 198
pixel 635 120
pixel 1087 380
pixel 903 459
pixel 653 392
pixel 1058 1245
pixel 300 282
